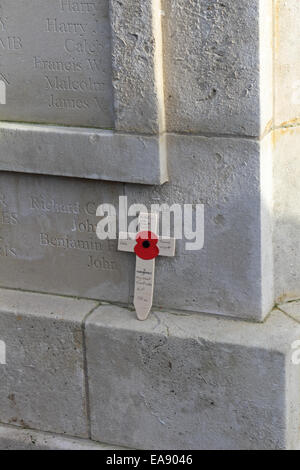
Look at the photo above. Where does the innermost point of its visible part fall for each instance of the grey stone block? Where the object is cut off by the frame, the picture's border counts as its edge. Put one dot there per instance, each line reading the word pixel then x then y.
pixel 83 153
pixel 67 51
pixel 192 382
pixel 233 273
pixel 116 65
pixel 12 438
pixel 137 63
pixel 218 66
pixel 48 240
pixel 56 63
pixel 43 381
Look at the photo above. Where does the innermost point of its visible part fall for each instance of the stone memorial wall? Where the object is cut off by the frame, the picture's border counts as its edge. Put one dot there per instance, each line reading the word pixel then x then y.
pixel 57 65
pixel 71 104
pixel 185 94
pixel 162 102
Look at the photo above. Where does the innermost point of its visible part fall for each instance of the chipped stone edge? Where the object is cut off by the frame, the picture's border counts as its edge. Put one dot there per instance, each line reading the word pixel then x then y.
pixel 13 438
pixel 83 153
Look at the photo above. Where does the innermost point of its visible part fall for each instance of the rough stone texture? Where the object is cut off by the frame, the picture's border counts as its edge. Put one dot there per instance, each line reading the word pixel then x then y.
pixel 233 273
pixel 67 51
pixel 287 64
pixel 286 213
pixel 212 57
pixel 48 226
pixel 12 438
pixel 217 78
pixel 292 309
pixel 56 63
pixel 82 153
pixel 177 381
pixel 192 382
pixel 43 382
pixel 217 62
pixel 137 66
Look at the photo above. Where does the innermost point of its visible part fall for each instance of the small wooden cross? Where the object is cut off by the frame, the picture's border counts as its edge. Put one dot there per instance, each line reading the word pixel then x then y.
pixel 146 248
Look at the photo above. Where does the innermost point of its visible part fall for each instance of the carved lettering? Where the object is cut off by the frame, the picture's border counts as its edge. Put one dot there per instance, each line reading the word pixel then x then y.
pixel 101 263
pixel 54 26
pixel 78 7
pixel 64 52
pixel 45 204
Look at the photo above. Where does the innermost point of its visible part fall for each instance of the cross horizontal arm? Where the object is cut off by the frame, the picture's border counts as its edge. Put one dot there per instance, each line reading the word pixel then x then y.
pixel 127 242
pixel 166 246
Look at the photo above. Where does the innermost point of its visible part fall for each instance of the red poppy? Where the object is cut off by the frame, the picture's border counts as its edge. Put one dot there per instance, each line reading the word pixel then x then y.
pixel 146 247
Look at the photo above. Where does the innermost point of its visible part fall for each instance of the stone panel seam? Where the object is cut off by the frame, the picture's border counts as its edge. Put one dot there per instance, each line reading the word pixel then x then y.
pixel 286 126
pixel 181 133
pixel 54 294
pixel 162 134
pixel 33 429
pixel 54 434
pixel 28 291
pixel 287 314
pixel 85 370
pixel 129 306
pixel 234 136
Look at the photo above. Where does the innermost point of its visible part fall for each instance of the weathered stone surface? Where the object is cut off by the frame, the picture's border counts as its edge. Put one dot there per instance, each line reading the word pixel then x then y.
pixel 43 383
pixel 56 62
pixel 192 382
pixel 213 53
pixel 286 150
pixel 48 238
pixel 286 213
pixel 12 438
pixel 214 60
pixel 292 309
pixel 68 51
pixel 137 60
pixel 233 273
pixel 217 78
pixel 66 54
pixel 287 64
pixel 83 153
pixel 48 226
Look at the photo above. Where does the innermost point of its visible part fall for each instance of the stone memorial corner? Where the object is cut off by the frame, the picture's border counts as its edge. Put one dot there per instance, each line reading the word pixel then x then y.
pixel 149 170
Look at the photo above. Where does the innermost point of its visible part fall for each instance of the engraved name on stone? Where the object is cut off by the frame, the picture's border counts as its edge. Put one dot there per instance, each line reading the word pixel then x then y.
pixel 55 62
pixel 80 235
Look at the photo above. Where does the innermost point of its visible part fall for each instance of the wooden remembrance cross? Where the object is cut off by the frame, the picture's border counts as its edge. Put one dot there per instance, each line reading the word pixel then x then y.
pixel 147 245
